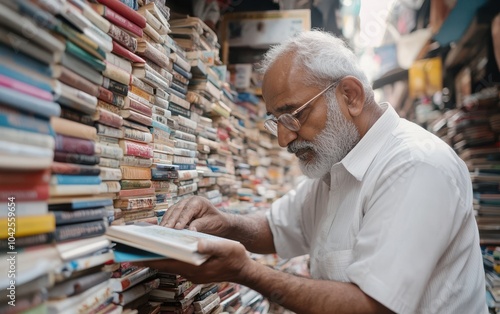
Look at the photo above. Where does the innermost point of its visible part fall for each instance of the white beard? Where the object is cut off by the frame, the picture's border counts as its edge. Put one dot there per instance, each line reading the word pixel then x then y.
pixel 331 145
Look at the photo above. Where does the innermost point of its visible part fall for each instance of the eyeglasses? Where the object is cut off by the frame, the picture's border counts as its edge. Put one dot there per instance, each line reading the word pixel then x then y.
pixel 289 120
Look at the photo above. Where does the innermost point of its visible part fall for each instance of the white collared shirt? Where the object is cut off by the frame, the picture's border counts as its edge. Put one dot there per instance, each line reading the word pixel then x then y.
pixel 396 220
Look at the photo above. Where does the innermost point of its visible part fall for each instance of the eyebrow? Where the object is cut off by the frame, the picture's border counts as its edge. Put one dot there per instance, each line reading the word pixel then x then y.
pixel 284 109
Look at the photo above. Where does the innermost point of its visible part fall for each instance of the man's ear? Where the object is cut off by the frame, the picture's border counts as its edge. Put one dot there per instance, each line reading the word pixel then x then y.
pixel 352 94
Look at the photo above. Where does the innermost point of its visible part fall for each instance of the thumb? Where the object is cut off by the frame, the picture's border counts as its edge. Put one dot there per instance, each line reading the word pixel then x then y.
pixel 211 247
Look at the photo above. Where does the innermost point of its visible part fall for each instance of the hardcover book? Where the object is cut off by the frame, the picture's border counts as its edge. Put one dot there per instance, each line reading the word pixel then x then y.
pixel 181 245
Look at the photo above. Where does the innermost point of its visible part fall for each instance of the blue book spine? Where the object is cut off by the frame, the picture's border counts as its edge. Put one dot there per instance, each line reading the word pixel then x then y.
pixel 25 123
pixel 65 179
pixel 131 4
pixel 28 103
pixel 182 72
pixel 18 58
pixel 161 126
pixel 4 70
pixel 186 166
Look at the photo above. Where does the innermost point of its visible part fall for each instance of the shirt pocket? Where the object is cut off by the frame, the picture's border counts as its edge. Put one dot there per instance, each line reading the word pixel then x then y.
pixel 332 265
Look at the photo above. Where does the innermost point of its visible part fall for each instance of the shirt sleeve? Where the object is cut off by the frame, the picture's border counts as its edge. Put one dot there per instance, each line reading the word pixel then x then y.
pixel 411 218
pixel 291 219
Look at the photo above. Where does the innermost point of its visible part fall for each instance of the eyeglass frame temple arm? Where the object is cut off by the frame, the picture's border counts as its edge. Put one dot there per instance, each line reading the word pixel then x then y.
pixel 314 98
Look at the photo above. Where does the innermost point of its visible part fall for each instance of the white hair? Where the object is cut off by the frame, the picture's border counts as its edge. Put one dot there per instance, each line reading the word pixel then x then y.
pixel 325 57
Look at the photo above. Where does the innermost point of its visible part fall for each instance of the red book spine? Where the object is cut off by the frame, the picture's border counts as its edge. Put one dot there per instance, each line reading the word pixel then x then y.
pixel 26 193
pixel 125 11
pixel 25 88
pixel 76 81
pixel 74 145
pixel 136 192
pixel 123 52
pixel 111 98
pixel 119 20
pixel 137 106
pixel 109 118
pixel 11 178
pixel 139 150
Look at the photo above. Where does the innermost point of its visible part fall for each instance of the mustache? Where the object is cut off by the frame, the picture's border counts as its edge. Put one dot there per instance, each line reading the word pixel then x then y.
pixel 295 146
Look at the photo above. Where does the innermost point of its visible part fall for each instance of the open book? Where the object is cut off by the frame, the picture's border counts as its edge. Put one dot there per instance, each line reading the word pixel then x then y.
pixel 155 242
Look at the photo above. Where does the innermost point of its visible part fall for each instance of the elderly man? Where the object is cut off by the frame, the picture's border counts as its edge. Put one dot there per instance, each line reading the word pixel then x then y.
pixel 386 215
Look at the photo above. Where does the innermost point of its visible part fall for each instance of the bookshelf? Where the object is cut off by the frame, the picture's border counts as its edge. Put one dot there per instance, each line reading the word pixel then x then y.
pixel 111 112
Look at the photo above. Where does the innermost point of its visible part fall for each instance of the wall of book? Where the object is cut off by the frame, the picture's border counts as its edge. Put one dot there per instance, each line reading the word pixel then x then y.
pixel 110 112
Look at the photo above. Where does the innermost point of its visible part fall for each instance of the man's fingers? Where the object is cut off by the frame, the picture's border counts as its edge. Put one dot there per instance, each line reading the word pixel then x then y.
pixel 171 216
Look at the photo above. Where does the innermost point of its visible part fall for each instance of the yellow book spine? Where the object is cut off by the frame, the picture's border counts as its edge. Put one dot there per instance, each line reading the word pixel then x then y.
pixel 26 225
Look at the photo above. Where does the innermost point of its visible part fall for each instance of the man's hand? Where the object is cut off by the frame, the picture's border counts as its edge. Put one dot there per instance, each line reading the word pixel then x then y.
pixel 228 262
pixel 198 214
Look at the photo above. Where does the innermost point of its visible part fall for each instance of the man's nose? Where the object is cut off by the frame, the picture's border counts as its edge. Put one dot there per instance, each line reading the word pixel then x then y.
pixel 285 136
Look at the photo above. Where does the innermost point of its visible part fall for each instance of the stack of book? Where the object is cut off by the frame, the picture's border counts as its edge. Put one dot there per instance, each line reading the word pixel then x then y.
pixel 131 285
pixel 473 133
pixel 177 295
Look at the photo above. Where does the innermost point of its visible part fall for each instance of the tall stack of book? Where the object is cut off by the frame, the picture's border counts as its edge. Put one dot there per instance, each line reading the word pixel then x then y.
pixel 26 153
pixel 474 133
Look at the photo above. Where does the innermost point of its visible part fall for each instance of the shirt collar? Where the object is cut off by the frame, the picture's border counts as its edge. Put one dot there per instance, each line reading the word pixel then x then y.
pixel 357 161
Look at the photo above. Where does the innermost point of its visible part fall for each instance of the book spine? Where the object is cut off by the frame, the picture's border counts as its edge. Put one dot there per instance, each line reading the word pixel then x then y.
pixel 185 136
pixel 120 21
pixel 80 230
pixel 187 174
pixel 180 102
pixel 135 203
pixel 75 99
pixel 186 166
pixel 139 107
pixel 135 184
pixel 123 52
pixel 160 119
pixel 136 162
pixel 109 131
pixel 63 179
pixel 110 174
pixel 28 138
pixel 136 215
pixel 190 188
pixel 110 97
pixel 137 135
pixel 182 72
pixel 123 38
pixel 115 73
pixel 153 54
pixel 73 129
pixel 110 187
pixel 181 62
pixel 140 99
pixel 109 151
pixel 108 106
pixel 140 84
pixel 162 112
pixel 161 94
pixel 183 160
pixel 186 122
pixel 126 12
pixel 141 93
pixel 74 145
pixel 22 87
pixel 185 144
pixel 136 192
pixel 184 152
pixel 28 193
pixel 115 87
pixel 74 169
pixel 178 110
pixel 160 102
pixel 137 117
pixel 28 241
pixel 185 129
pixel 110 163
pixel 137 173
pixel 157 174
pixel 136 149
pixel 28 103
pixel 67 217
pixel 108 118
pixel 74 80
pixel 75 158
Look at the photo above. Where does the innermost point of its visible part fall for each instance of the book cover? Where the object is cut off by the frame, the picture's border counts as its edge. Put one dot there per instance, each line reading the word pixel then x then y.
pixel 178 244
